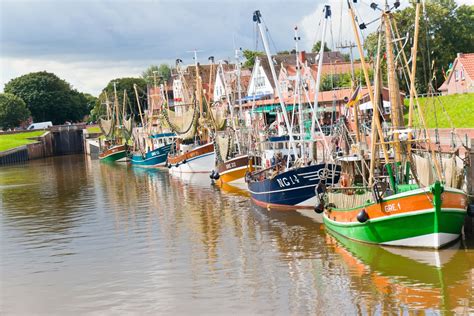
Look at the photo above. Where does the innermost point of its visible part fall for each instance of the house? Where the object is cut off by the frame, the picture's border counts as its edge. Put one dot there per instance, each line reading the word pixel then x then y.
pixel 461 76
pixel 261 83
pixel 184 82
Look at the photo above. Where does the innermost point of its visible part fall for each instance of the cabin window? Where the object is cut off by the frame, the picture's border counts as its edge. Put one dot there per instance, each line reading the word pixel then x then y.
pixel 462 75
pixel 456 75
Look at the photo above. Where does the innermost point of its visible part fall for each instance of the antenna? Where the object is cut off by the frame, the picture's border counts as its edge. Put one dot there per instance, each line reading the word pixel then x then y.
pixel 195 51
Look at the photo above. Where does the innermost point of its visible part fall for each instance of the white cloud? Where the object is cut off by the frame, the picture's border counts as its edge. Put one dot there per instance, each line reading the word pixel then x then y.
pixel 90 77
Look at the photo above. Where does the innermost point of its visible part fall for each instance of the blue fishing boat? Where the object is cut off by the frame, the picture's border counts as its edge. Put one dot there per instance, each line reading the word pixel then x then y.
pixel 157 148
pixel 291 189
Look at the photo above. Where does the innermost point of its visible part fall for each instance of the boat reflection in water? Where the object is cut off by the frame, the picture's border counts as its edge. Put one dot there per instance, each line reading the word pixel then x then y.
pixel 410 278
pixel 232 189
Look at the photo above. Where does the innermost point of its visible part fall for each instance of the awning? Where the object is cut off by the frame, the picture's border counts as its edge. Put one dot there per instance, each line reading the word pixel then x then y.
pixel 368 105
pixel 256 97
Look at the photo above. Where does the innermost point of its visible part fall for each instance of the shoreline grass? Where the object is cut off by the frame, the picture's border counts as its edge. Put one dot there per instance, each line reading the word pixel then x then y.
pixel 445 111
pixel 10 141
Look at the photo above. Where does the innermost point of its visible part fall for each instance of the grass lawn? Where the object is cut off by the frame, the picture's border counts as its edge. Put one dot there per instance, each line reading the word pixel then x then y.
pixel 94 129
pixel 10 141
pixel 457 108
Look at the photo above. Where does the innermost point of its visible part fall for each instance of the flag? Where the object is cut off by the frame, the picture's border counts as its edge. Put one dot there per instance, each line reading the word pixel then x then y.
pixel 355 97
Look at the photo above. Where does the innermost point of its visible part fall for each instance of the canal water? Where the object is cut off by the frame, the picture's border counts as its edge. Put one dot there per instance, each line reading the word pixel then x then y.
pixel 79 236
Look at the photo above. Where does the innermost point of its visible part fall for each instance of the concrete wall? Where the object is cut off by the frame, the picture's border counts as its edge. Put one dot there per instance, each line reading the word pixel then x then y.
pixel 59 140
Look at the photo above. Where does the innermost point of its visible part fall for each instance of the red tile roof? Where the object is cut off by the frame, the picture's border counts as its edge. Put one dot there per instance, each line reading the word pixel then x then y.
pixel 467 61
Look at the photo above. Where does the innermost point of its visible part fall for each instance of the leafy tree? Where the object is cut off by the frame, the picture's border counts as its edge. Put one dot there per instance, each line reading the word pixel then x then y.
pixel 122 84
pixel 48 97
pixel 317 47
pixel 13 110
pixel 330 82
pixel 445 31
pixel 161 72
pixel 250 57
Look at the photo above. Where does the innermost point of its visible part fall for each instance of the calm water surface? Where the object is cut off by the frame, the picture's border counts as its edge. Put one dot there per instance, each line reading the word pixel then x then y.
pixel 78 236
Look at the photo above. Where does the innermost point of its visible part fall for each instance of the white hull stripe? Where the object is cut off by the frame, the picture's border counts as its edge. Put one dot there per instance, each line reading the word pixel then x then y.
pixel 435 240
pixel 282 190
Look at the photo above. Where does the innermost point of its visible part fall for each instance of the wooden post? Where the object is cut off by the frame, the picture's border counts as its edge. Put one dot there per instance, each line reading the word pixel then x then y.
pixel 469 221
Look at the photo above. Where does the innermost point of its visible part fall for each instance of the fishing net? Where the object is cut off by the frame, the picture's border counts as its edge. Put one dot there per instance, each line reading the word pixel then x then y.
pixel 453 172
pixel 127 128
pixel 344 200
pixel 219 114
pixel 424 169
pixel 106 127
pixel 183 124
pixel 223 145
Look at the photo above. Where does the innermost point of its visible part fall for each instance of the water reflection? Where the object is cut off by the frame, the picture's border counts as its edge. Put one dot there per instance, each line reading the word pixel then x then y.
pixel 407 279
pixel 79 236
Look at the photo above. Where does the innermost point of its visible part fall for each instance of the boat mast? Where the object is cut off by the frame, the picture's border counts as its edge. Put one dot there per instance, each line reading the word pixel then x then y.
pixel 257 17
pixel 375 119
pixel 239 85
pixel 139 106
pixel 327 15
pixel 299 64
pixel 116 106
pixel 220 72
pixel 394 92
pixel 412 73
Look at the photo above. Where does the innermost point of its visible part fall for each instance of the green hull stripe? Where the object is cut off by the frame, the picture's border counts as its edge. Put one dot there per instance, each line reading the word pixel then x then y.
pixel 408 225
pixel 114 157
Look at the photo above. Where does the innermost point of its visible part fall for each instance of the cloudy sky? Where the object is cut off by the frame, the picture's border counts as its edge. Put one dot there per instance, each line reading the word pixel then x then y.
pixel 90 42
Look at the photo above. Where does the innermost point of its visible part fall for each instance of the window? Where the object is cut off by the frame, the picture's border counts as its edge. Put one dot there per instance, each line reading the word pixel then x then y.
pixel 462 75
pixel 456 75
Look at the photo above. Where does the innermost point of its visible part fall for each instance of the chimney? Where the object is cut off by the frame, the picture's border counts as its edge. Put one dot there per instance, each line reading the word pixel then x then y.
pixel 460 55
pixel 302 56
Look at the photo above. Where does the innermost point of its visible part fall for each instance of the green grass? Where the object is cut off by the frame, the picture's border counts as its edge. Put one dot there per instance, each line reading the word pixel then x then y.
pixel 446 111
pixel 10 141
pixel 94 129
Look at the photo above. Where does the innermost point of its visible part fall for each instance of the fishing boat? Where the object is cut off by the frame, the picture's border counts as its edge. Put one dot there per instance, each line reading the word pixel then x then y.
pixel 157 153
pixel 114 147
pixel 151 143
pixel 195 126
pixel 288 177
pixel 413 195
pixel 232 158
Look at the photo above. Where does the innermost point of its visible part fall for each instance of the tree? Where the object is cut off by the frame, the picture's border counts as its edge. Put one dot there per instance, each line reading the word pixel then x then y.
pixel 13 111
pixel 445 31
pixel 48 97
pixel 250 57
pixel 122 84
pixel 317 47
pixel 162 73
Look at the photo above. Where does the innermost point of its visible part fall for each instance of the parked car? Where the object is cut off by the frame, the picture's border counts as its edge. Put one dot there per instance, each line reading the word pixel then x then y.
pixel 40 125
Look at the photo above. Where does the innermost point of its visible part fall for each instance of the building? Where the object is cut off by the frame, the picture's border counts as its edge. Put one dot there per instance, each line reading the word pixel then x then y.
pixel 461 76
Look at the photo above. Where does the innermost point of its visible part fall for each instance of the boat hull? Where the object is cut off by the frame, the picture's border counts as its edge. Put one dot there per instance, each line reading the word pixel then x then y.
pixel 114 153
pixel 151 159
pixel 199 160
pixel 233 171
pixel 293 189
pixel 408 220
